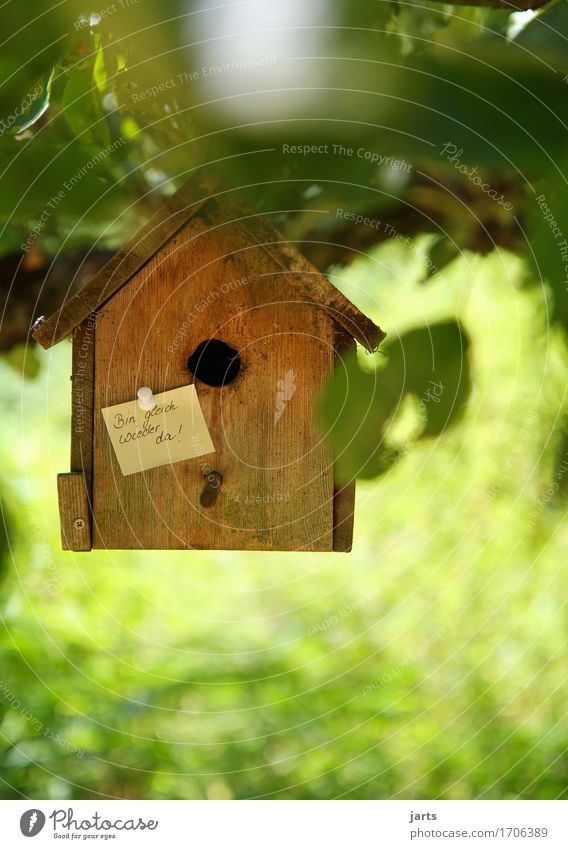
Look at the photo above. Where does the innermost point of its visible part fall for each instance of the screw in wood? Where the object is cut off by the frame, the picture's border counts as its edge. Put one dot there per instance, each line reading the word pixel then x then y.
pixel 210 489
pixel 79 524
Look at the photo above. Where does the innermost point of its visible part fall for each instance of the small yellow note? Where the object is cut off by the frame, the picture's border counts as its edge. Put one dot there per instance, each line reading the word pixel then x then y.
pixel 174 430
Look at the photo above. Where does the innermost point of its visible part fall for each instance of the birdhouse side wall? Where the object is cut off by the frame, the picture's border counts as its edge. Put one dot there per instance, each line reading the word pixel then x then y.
pixel 75 487
pixel 344 493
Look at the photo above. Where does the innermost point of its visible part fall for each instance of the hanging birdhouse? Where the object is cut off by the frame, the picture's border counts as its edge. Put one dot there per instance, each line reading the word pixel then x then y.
pixel 199 353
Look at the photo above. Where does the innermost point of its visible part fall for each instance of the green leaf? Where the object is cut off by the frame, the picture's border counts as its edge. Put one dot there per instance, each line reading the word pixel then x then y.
pixel 415 28
pixel 83 111
pixel 354 413
pixel 560 473
pixel 432 364
pixel 35 104
pixel 548 227
pixel 358 407
pixel 442 252
pixel 99 69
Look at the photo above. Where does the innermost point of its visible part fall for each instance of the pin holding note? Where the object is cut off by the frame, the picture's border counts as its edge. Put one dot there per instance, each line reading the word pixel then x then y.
pixel 146 400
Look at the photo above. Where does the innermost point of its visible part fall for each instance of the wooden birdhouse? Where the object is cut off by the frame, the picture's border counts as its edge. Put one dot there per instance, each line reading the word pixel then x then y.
pixel 199 353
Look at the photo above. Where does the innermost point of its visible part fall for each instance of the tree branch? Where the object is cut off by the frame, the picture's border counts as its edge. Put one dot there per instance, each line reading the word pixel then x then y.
pixel 513 5
pixel 37 287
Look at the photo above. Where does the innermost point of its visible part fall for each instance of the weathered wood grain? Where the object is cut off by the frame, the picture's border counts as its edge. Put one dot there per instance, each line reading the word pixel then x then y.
pixel 74 512
pixel 303 279
pixel 82 398
pixel 220 274
pixel 343 517
pixel 126 262
pixel 277 491
pixel 75 488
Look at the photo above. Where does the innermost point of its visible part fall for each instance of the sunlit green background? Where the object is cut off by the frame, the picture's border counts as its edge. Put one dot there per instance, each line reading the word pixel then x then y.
pixel 431 661
pixel 428 663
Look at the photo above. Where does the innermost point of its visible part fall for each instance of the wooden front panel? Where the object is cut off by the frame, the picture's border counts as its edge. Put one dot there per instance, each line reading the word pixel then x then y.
pixel 277 491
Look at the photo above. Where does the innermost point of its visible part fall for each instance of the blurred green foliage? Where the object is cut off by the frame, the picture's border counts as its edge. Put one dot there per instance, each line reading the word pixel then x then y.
pixel 454 117
pixel 428 363
pixel 430 663
pixel 186 86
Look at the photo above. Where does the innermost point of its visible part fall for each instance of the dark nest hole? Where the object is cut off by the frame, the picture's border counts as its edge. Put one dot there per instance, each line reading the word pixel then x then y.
pixel 214 362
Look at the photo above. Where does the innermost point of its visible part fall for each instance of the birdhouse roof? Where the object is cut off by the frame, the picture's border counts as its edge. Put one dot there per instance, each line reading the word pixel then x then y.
pixel 173 215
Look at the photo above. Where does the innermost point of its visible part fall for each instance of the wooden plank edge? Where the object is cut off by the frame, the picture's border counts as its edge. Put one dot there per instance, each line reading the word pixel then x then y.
pixel 157 232
pixel 74 512
pixel 82 398
pixel 344 494
pixel 343 517
pixel 290 259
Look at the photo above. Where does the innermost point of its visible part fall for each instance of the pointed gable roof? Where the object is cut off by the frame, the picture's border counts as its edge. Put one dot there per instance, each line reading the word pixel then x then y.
pixel 305 281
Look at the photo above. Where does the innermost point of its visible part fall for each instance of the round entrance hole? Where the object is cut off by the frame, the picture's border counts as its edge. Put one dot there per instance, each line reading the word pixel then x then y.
pixel 214 362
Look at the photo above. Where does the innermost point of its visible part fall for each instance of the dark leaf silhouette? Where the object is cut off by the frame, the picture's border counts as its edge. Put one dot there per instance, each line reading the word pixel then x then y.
pixel 429 363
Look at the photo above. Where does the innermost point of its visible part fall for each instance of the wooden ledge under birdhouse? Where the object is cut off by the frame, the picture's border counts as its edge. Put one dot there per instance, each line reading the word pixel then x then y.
pixel 199 353
pixel 74 512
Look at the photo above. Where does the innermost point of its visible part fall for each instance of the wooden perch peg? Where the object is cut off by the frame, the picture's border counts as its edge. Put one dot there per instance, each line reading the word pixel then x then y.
pixel 210 489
